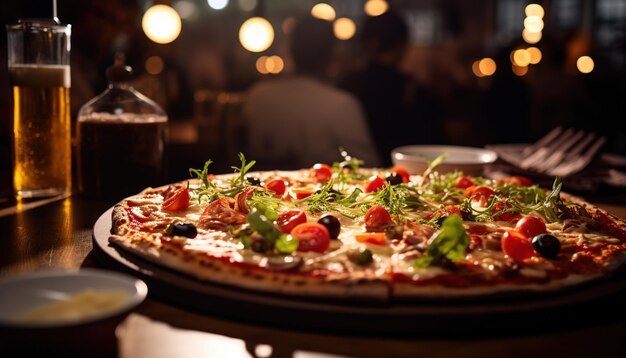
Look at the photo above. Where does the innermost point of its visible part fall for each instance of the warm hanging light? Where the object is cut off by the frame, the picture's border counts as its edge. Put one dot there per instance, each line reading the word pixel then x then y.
pixel 534 10
pixel 585 64
pixel 487 66
pixel 256 34
pixel 376 7
pixel 531 37
pixel 323 11
pixel 535 55
pixel 161 24
pixel 533 24
pixel 344 28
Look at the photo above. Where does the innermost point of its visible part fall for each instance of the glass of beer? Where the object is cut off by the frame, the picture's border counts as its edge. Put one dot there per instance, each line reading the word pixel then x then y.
pixel 39 72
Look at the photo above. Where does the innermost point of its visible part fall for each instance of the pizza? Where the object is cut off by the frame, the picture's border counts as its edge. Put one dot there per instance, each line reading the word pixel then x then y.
pixel 346 232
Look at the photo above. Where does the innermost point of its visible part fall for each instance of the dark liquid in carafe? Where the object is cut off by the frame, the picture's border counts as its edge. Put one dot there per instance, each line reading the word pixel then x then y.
pixel 118 157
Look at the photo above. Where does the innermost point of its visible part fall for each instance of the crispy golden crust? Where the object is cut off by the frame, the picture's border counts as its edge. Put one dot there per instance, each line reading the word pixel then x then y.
pixel 248 277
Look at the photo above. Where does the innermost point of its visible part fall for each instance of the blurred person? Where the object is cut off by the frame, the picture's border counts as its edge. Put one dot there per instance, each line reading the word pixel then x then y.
pixel 301 119
pixel 396 114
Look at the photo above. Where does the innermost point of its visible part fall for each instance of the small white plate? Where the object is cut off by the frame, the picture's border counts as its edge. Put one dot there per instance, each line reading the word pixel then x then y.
pixel 20 294
pixel 469 160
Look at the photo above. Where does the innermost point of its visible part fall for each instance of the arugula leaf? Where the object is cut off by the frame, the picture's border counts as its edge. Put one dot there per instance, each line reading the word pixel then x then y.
pixel 202 174
pixel 450 244
pixel 245 167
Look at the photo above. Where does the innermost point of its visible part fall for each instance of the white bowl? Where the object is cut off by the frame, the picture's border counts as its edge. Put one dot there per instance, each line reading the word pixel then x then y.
pixel 21 294
pixel 469 160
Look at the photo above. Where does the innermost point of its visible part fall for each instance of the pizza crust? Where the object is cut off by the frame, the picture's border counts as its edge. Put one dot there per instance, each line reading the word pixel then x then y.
pixel 218 271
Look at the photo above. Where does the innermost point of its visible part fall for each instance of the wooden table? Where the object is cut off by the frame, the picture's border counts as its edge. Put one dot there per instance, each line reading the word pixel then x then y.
pixel 57 235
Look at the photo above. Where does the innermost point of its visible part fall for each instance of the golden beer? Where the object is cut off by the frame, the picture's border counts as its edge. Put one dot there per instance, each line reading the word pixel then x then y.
pixel 41 129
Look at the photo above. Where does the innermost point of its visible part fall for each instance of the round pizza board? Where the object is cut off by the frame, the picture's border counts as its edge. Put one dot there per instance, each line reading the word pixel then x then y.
pixel 567 308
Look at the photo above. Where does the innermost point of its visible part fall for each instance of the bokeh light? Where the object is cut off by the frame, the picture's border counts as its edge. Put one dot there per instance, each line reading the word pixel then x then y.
pixel 533 24
pixel 534 10
pixel 585 64
pixel 535 55
pixel 256 34
pixel 270 64
pixel 376 7
pixel 217 4
pixel 521 58
pixel 476 69
pixel 487 66
pixel 323 11
pixel 344 28
pixel 161 24
pixel 154 65
pixel 519 70
pixel 260 65
pixel 531 37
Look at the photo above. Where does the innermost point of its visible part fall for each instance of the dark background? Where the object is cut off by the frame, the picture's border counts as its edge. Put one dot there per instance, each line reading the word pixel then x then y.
pixel 446 38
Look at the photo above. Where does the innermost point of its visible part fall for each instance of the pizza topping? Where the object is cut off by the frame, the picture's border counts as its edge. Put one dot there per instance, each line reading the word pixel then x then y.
pixel 402 172
pixel 253 180
pixel 177 201
pixel 530 226
pixel 375 238
pixel 312 237
pixel 289 219
pixel 463 182
pixel 361 256
pixel 394 179
pixel 546 245
pixel 376 183
pixel 504 211
pixel 277 186
pixel 448 244
pixel 266 236
pixel 518 180
pixel 376 218
pixel 221 211
pixel 321 173
pixel 182 229
pixel 332 224
pixel 517 246
pixel 241 200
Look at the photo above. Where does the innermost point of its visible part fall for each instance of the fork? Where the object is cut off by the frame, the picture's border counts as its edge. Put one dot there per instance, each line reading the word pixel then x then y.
pixel 561 152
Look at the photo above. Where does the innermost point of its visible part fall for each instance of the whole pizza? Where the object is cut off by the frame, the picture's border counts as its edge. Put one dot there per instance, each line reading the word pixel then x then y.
pixel 341 231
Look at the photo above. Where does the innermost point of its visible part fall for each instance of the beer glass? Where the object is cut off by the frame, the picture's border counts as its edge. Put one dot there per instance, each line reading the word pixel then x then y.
pixel 39 72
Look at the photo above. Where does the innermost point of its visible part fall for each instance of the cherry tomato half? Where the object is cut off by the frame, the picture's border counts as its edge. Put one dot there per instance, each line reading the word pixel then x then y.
pixel 507 216
pixel 463 182
pixel 406 177
pixel 277 186
pixel 517 246
pixel 321 173
pixel 289 219
pixel 530 226
pixel 376 183
pixel 479 192
pixel 376 217
pixel 178 200
pixel 312 237
pixel 518 181
pixel 376 238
